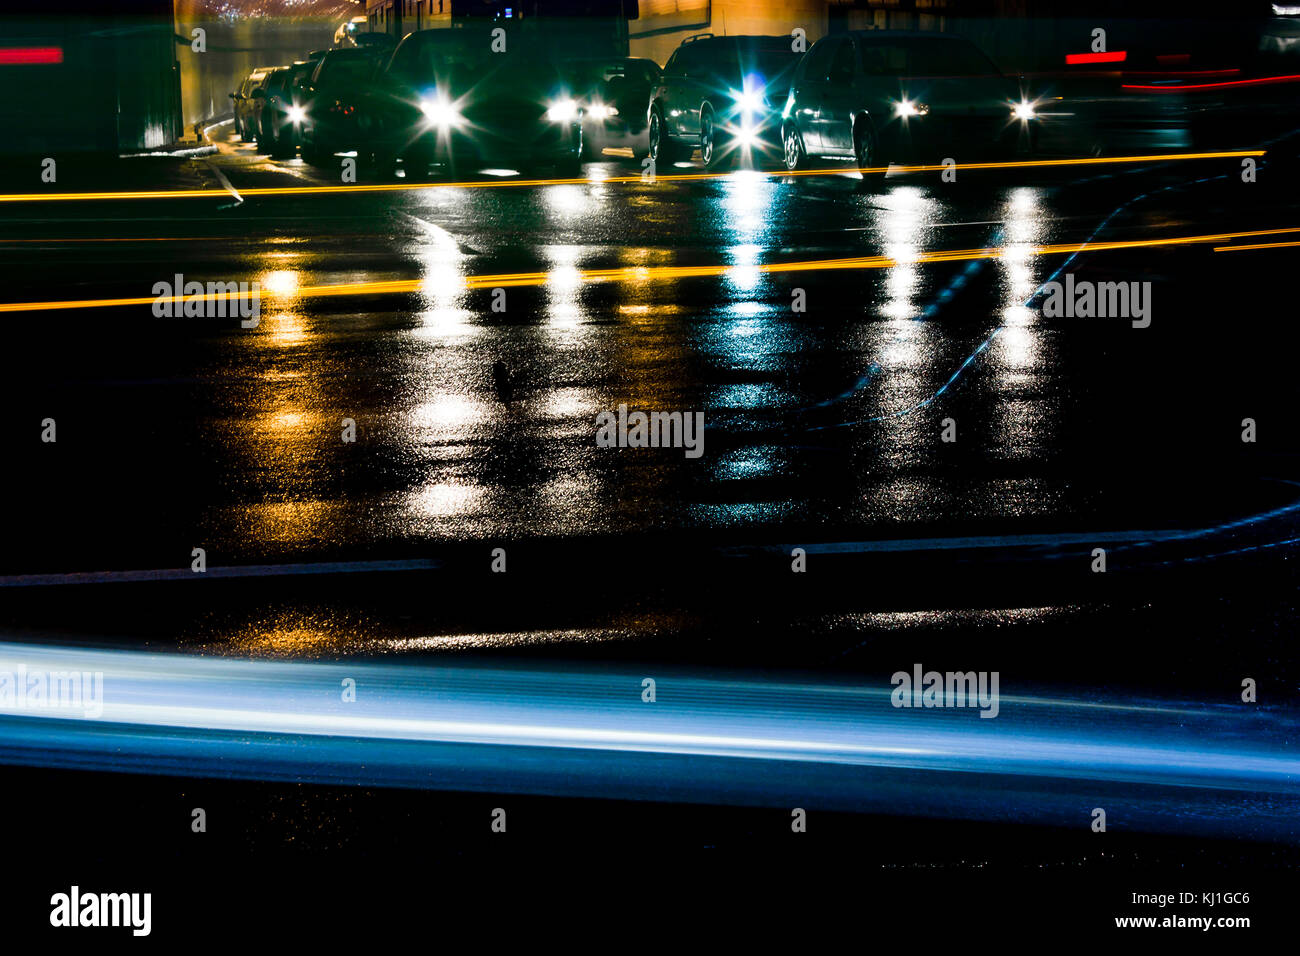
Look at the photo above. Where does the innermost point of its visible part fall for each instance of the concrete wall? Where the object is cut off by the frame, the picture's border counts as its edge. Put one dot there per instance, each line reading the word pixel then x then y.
pixel 236 47
pixel 665 23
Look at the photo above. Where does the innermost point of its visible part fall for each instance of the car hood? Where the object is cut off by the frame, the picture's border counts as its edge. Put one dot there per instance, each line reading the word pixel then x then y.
pixel 961 95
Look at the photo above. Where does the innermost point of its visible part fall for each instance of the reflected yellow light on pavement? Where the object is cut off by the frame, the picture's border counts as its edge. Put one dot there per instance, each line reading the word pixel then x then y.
pixel 284 329
pixel 279 282
pixel 660 178
pixel 665 273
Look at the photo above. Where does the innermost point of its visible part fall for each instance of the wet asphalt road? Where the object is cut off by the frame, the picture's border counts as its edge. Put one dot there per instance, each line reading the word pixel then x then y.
pixel 823 427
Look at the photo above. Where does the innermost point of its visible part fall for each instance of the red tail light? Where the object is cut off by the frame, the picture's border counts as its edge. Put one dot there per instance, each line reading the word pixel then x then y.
pixel 29 55
pixel 1119 56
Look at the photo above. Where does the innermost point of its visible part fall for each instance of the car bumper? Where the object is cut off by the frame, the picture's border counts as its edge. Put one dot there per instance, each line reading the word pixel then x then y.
pixel 537 141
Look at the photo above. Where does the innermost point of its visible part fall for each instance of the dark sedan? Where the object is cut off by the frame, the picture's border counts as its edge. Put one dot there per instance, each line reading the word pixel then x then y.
pixel 334 119
pixel 283 109
pixel 612 94
pixel 878 96
pixel 448 100
pixel 724 95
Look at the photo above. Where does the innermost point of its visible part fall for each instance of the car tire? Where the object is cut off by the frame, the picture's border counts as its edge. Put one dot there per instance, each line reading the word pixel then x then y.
pixel 383 165
pixel 793 153
pixel 416 163
pixel 866 151
pixel 312 155
pixel 570 165
pixel 664 150
pixel 282 148
pixel 711 151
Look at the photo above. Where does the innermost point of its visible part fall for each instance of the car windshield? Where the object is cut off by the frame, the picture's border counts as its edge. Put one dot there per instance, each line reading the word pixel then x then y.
pixel 427 57
pixel 526 74
pixel 347 69
pixel 767 62
pixel 921 56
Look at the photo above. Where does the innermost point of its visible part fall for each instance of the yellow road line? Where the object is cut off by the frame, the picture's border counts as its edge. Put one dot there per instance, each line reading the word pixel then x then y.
pixel 1257 245
pixel 646 273
pixel 580 181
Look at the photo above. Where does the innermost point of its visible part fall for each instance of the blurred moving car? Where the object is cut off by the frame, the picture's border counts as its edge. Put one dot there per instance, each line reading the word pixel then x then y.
pixel 446 98
pixel 248 103
pixel 282 109
pixel 334 119
pixel 612 94
pixel 723 94
pixel 877 96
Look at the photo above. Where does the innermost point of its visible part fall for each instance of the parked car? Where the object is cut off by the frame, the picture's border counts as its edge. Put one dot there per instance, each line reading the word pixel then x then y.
pixel 333 103
pixel 723 94
pixel 877 96
pixel 612 94
pixel 248 103
pixel 446 98
pixel 283 109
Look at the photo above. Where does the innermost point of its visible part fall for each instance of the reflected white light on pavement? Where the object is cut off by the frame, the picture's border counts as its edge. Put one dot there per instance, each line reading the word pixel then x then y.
pixel 563 281
pixel 1016 349
pixel 567 201
pixel 446 499
pixel 1020 417
pixel 747 199
pixel 442 418
pixel 903 224
pixel 443 287
pixel 743 275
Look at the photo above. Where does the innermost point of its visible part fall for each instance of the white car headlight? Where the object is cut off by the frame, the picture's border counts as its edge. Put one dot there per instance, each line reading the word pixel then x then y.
pixel 561 111
pixel 749 101
pixel 601 111
pixel 1023 111
pixel 438 112
pixel 297 114
pixel 906 108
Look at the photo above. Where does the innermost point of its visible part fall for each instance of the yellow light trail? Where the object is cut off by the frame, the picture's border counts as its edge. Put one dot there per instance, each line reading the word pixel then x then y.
pixel 644 273
pixel 1257 245
pixel 581 181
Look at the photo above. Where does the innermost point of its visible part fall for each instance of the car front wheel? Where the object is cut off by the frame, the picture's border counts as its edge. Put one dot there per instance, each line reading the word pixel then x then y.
pixel 712 152
pixel 865 152
pixel 313 155
pixel 662 148
pixel 792 149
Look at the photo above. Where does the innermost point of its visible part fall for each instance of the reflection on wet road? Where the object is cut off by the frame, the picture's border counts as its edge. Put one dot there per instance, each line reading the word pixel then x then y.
pixel 930 393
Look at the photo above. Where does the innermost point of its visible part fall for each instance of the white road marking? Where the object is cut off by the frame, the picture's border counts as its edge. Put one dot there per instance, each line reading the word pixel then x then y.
pixel 226 182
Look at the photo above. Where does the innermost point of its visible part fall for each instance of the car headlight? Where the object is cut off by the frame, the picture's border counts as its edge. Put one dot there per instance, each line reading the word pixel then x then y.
pixel 601 111
pixel 749 101
pixel 1023 111
pixel 561 111
pixel 438 112
pixel 906 108
pixel 297 114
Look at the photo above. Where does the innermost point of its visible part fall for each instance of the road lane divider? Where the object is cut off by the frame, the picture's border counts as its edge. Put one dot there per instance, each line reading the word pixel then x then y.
pixel 498 183
pixel 634 274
